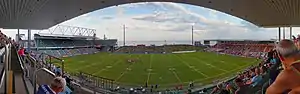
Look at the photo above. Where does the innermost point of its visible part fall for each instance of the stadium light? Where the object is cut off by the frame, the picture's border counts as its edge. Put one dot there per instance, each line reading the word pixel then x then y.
pixel 193 33
pixel 124 29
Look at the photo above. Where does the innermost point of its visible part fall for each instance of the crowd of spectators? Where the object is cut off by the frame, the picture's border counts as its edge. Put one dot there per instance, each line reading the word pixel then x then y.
pixel 156 49
pixel 278 73
pixel 63 43
pixel 246 49
pixel 5 39
pixel 61 84
pixel 69 52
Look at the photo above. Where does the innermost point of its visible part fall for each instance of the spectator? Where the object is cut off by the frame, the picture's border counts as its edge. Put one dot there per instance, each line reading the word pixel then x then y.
pixel 58 71
pixel 56 86
pixel 256 79
pixel 21 52
pixel 242 87
pixel 219 90
pixel 288 79
pixel 229 88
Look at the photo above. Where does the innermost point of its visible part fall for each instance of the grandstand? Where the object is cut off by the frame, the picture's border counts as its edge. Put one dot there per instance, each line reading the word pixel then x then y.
pixel 61 45
pixel 246 48
pixel 156 49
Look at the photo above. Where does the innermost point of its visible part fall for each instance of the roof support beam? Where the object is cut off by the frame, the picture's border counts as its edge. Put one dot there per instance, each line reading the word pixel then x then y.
pixel 291 32
pixel 279 34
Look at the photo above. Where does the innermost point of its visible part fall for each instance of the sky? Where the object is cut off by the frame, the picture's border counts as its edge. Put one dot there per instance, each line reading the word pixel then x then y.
pixel 158 21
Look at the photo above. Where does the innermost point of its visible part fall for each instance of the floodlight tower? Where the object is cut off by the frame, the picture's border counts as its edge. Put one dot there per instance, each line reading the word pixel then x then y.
pixel 124 29
pixel 192 34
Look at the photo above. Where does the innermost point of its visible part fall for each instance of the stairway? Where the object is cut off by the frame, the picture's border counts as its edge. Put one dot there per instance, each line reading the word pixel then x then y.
pixel 19 84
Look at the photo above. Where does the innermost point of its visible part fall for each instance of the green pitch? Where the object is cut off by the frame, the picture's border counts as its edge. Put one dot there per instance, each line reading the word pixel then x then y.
pixel 163 69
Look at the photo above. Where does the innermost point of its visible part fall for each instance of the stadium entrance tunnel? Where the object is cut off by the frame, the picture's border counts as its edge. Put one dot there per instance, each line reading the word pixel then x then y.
pixel 259 12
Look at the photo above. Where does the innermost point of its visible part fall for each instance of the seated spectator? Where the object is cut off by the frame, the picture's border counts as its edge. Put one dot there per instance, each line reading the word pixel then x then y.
pixel 230 88
pixel 56 86
pixel 288 79
pixel 58 71
pixel 220 90
pixel 242 87
pixel 256 79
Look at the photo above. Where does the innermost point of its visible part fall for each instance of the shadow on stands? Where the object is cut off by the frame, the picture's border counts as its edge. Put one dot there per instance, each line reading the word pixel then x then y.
pixel 44 76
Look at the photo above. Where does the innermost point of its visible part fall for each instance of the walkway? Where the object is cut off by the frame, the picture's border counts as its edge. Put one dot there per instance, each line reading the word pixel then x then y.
pixel 19 84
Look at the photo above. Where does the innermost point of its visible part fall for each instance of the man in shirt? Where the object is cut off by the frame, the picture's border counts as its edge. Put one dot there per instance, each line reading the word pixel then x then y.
pixel 288 78
pixel 56 86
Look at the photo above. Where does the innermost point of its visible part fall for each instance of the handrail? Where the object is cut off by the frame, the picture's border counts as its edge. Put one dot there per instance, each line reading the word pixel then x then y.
pixel 24 69
pixel 35 75
pixel 20 61
pixel 3 68
pixel 51 56
pixel 61 60
pixel 7 68
pixel 2 77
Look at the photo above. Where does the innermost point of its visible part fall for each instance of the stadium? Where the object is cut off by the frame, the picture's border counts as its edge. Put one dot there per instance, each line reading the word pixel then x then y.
pixel 90 61
pixel 75 60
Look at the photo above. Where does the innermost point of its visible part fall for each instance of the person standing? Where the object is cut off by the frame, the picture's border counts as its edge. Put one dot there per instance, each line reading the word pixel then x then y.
pixel 21 53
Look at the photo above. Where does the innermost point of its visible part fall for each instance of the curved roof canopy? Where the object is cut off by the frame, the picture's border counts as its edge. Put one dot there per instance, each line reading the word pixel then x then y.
pixel 43 14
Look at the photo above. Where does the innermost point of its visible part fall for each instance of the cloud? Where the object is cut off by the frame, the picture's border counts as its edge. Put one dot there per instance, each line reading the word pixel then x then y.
pixel 168 21
pixel 107 18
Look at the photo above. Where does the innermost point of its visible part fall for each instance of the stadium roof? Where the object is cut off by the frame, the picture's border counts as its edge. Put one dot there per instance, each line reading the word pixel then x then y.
pixel 43 14
pixel 236 40
pixel 63 36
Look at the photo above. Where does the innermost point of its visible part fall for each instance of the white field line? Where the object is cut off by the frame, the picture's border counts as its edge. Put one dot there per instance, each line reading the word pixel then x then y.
pixel 199 80
pixel 150 66
pixel 207 64
pixel 190 67
pixel 107 67
pixel 120 76
pixel 221 61
pixel 224 72
pixel 175 74
pixel 89 65
pixel 86 66
pixel 129 67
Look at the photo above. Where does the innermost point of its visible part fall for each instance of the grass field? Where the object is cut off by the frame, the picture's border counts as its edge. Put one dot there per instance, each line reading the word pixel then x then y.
pixel 163 69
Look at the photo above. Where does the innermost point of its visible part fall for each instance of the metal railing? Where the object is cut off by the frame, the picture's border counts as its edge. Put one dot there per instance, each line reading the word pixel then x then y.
pixel 38 74
pixel 43 57
pixel 47 77
pixel 24 68
pixel 3 69
pixel 7 70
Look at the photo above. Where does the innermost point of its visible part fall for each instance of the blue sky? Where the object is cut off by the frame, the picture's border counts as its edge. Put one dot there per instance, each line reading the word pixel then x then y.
pixel 168 21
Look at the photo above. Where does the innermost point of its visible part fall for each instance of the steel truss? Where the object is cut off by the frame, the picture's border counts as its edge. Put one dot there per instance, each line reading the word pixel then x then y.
pixel 69 30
